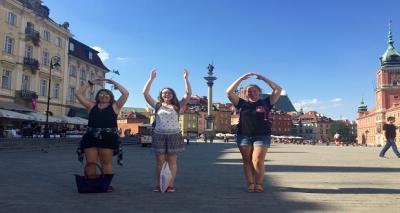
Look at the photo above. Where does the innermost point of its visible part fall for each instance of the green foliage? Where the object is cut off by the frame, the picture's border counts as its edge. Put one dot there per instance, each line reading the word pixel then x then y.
pixel 341 128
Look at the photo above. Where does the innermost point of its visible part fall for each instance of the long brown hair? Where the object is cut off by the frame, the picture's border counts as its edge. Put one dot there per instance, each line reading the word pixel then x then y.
pixel 174 101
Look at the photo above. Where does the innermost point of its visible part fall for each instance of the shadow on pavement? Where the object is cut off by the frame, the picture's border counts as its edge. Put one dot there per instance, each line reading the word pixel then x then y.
pixel 38 182
pixel 350 169
pixel 341 190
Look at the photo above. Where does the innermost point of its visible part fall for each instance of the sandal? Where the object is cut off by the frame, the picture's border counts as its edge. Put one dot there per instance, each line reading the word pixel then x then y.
pixel 259 188
pixel 251 187
pixel 157 189
pixel 170 189
pixel 110 189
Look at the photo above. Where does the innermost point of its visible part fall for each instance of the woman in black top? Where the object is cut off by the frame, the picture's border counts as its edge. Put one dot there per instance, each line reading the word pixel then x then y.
pixel 254 128
pixel 101 137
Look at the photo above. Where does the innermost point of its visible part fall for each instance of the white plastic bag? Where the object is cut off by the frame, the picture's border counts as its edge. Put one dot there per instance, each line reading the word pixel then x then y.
pixel 165 177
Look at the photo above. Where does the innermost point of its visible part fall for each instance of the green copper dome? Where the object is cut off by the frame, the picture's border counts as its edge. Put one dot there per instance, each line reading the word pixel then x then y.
pixel 391 56
pixel 362 107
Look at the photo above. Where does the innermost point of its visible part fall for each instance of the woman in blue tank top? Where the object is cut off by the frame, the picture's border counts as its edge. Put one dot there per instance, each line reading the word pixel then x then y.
pixel 254 128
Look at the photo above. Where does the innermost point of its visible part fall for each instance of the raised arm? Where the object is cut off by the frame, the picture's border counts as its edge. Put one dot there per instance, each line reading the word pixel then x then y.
pixel 188 93
pixel 121 100
pixel 276 90
pixel 146 89
pixel 234 98
pixel 80 93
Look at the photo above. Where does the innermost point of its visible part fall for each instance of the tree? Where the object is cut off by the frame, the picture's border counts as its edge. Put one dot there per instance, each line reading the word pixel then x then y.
pixel 341 128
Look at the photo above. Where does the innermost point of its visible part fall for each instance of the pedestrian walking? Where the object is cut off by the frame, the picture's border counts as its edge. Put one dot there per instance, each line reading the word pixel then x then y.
pixel 167 140
pixel 254 128
pixel 390 134
pixel 101 137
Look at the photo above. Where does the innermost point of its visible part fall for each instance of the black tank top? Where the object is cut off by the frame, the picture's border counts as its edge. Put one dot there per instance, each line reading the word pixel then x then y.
pixel 102 118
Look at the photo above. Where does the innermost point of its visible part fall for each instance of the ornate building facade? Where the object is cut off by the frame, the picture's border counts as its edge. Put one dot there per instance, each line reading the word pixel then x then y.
pixel 387 98
pixel 32 42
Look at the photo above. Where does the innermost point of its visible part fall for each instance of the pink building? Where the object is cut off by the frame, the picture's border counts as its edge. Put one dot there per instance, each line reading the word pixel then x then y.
pixel 387 99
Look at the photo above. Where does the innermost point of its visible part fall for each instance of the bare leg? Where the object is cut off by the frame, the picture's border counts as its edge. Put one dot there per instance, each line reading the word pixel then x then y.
pixel 91 155
pixel 106 160
pixel 160 159
pixel 171 159
pixel 248 168
pixel 259 168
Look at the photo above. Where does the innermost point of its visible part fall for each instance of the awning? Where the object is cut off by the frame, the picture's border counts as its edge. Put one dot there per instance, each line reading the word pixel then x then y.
pixel 14 115
pixel 82 120
pixel 72 120
pixel 78 112
pixel 42 118
pixel 14 106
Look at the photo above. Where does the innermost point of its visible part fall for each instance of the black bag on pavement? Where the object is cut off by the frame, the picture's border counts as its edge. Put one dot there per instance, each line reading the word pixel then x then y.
pixel 94 184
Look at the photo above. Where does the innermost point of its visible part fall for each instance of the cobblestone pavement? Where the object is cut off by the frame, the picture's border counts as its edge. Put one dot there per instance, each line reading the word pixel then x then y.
pixel 299 178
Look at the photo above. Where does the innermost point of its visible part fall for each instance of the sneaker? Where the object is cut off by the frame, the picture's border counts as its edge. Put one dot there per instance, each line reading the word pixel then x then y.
pixel 171 189
pixel 156 189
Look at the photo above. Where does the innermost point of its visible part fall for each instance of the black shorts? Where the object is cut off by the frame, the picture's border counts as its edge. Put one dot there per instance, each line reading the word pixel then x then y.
pixel 107 141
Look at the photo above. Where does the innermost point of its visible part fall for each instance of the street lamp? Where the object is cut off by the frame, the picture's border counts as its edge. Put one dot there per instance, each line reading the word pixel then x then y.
pixel 54 64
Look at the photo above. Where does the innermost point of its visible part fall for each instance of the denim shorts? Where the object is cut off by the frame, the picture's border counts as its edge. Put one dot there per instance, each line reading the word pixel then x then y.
pixel 262 140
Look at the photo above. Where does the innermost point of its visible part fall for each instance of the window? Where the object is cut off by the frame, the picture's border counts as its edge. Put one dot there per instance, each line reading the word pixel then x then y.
pixel 26 82
pixel 45 58
pixel 90 55
pixel 71 46
pixel 58 42
pixel 28 51
pixel 30 26
pixel 83 75
pixel 11 19
pixel 9 45
pixel 6 79
pixel 72 71
pixel 72 94
pixel 56 90
pixel 46 35
pixel 43 87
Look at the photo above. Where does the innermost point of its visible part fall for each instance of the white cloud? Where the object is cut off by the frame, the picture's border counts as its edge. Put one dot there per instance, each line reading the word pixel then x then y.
pixel 305 104
pixel 122 58
pixel 102 53
pixel 336 100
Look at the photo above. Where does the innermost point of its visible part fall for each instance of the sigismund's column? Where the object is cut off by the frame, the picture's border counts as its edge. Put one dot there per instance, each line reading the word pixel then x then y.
pixel 209 130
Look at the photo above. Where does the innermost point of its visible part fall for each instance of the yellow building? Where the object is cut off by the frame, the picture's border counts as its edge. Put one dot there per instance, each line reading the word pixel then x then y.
pixel 32 42
pixel 188 122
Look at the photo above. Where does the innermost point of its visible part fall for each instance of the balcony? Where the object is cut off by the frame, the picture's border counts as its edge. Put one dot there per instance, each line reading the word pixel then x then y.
pixel 32 35
pixel 32 64
pixel 26 95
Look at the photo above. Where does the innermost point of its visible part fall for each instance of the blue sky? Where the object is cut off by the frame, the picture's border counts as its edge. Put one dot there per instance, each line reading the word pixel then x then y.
pixel 324 54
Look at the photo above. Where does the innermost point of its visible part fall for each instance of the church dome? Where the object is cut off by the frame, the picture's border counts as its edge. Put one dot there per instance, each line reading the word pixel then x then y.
pixel 391 56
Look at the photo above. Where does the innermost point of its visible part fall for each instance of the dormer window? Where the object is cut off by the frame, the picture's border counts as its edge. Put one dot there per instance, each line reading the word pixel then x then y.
pixel 71 46
pixel 90 55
